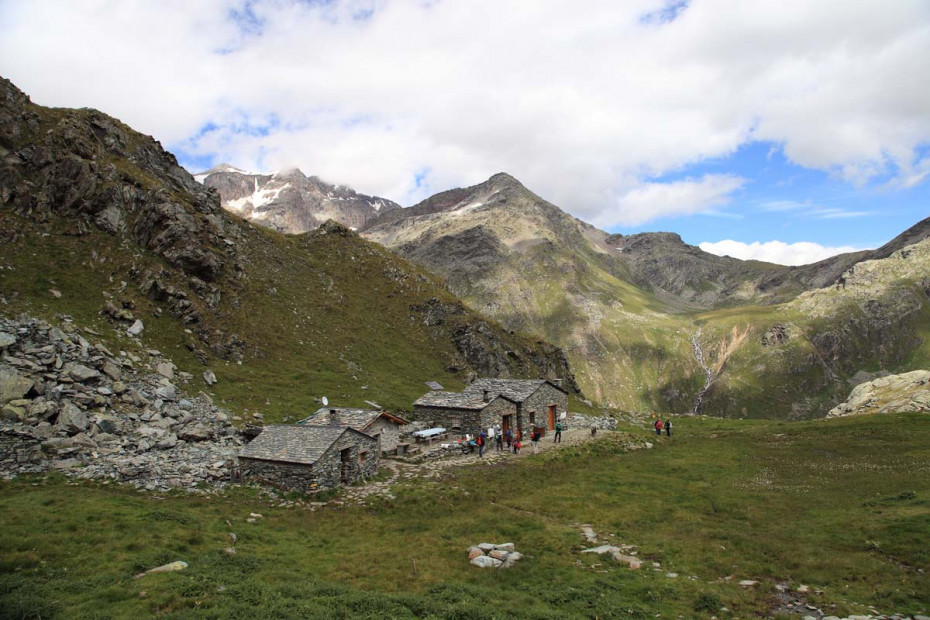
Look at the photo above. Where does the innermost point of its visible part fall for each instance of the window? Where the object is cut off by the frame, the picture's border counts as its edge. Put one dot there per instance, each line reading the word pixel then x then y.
pixel 362 456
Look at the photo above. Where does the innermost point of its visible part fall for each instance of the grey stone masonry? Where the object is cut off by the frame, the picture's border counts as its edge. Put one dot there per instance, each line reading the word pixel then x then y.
pixel 309 458
pixel 486 402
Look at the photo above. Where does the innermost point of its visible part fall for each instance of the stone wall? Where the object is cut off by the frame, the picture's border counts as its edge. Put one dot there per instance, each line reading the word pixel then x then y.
pixel 496 410
pixel 389 431
pixel 470 421
pixel 325 473
pixel 539 402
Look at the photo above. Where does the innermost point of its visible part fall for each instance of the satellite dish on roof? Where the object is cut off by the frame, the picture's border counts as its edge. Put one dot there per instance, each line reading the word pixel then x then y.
pixel 325 401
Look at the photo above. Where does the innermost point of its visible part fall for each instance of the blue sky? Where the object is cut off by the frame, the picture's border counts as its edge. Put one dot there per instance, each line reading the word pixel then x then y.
pixel 790 131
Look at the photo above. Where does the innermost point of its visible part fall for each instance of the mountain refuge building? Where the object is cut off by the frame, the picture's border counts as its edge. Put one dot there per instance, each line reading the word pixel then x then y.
pixel 383 426
pixel 517 404
pixel 309 458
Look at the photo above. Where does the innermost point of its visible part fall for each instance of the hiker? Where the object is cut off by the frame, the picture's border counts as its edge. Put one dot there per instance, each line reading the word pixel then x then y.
pixel 659 427
pixel 480 442
pixel 558 433
pixel 491 433
pixel 508 437
pixel 593 431
pixel 499 439
pixel 668 427
pixel 516 446
pixel 535 439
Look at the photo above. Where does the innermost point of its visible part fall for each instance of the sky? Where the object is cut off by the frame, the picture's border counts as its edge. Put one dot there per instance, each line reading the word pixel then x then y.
pixel 784 130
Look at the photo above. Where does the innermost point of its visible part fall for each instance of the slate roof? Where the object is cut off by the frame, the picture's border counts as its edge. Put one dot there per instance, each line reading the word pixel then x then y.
pixel 517 390
pixel 359 419
pixel 291 443
pixel 453 400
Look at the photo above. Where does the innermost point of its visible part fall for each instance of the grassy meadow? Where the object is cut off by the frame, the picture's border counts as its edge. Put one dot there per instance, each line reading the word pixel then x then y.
pixel 842 506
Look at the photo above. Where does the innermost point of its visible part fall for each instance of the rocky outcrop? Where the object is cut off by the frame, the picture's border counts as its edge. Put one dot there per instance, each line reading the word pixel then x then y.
pixel 91 169
pixel 908 392
pixel 75 407
pixel 290 202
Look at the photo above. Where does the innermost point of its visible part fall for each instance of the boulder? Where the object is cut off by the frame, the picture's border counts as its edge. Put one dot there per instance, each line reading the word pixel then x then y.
pixel 72 419
pixel 6 340
pixel 196 432
pixel 166 392
pixel 13 385
pixel 165 369
pixel 486 547
pixel 505 547
pixel 12 413
pixel 81 373
pixel 209 377
pixel 512 558
pixel 474 552
pixel 499 554
pixel 111 370
pixel 136 328
pixel 485 561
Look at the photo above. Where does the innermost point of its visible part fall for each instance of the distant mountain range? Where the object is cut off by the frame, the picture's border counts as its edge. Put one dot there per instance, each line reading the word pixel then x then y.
pixel 290 202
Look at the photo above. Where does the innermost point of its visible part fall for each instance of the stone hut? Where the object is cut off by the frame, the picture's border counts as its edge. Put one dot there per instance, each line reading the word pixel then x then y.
pixel 309 458
pixel 383 426
pixel 518 404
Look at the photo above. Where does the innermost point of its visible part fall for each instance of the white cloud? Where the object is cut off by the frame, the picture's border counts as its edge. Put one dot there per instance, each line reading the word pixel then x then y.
pixel 800 253
pixel 584 106
pixel 653 200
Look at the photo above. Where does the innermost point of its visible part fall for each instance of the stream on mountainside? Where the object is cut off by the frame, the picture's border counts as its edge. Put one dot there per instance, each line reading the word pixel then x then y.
pixel 709 375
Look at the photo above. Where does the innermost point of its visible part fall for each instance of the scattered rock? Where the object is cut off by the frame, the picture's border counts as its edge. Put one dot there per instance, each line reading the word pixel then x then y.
pixel 13 386
pixel 166 568
pixel 136 328
pixel 209 377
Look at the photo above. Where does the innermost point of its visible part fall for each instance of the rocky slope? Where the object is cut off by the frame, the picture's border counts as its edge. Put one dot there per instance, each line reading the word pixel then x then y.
pixel 100 223
pixel 290 202
pixel 75 407
pixel 892 394
pixel 650 322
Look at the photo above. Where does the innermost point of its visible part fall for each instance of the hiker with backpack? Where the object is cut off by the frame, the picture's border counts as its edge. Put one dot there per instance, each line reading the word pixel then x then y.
pixel 668 427
pixel 558 433
pixel 480 441
pixel 659 427
pixel 535 439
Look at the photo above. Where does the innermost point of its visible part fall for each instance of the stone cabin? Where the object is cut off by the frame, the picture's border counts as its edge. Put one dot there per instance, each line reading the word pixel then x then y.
pixel 383 426
pixel 518 404
pixel 309 458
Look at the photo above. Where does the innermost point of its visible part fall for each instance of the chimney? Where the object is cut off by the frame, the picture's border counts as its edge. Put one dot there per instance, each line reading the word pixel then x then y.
pixel 487 396
pixel 334 416
pixel 557 382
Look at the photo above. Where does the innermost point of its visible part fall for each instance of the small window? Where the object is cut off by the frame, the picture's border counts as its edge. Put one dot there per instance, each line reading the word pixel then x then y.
pixel 532 419
pixel 362 456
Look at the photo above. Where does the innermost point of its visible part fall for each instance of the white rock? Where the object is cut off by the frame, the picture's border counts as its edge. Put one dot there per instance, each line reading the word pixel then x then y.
pixel 136 328
pixel 485 561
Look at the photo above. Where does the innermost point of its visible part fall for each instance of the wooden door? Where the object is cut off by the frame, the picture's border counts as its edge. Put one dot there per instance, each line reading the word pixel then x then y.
pixel 551 417
pixel 507 423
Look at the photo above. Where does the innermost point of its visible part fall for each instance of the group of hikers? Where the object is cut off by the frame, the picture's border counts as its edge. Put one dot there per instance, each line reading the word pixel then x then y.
pixel 667 425
pixel 512 438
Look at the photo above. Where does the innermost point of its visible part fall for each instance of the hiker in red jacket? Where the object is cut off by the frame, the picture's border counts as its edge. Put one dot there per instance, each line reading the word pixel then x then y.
pixel 659 427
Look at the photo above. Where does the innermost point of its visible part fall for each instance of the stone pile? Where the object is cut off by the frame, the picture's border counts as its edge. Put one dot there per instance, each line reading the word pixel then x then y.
pixel 488 555
pixel 76 407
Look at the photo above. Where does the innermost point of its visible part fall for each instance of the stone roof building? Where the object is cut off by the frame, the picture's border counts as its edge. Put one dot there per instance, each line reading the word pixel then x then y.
pixel 517 404
pixel 383 426
pixel 308 458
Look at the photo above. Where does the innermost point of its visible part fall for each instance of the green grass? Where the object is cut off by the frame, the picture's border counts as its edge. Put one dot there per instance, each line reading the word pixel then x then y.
pixel 840 505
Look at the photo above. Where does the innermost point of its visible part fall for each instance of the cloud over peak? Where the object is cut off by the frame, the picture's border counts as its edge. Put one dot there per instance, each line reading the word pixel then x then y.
pixel 586 107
